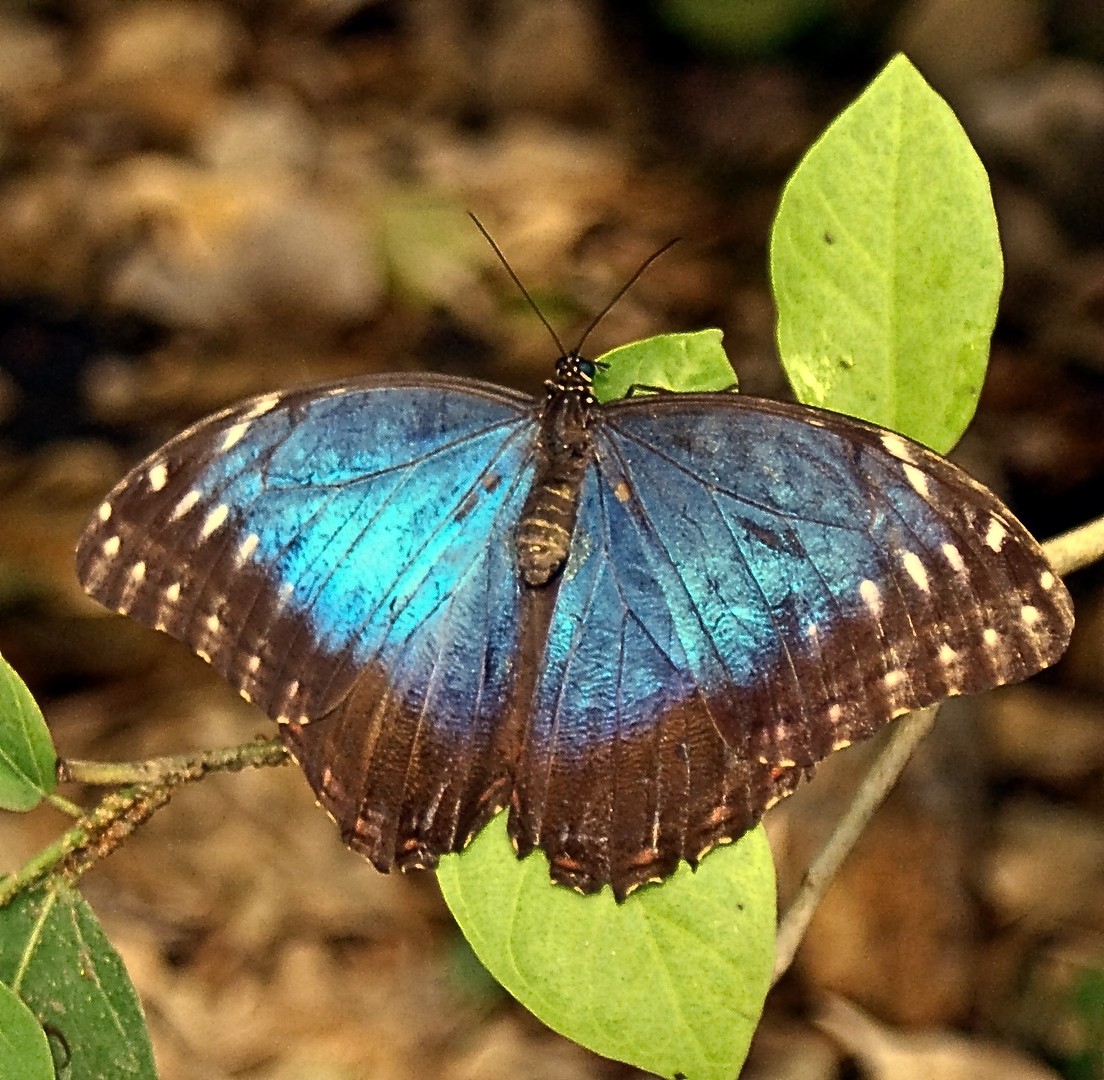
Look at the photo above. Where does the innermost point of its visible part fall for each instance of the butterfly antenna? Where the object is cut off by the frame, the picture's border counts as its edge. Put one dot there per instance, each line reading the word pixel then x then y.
pixel 621 292
pixel 517 281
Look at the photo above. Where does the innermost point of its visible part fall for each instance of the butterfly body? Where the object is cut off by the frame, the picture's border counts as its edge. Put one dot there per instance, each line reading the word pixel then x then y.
pixel 635 624
pixel 564 448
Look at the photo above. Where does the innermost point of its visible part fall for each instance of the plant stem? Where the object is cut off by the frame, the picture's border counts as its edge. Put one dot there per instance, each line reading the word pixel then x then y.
pixel 151 784
pixel 259 754
pixel 884 773
pixel 1078 548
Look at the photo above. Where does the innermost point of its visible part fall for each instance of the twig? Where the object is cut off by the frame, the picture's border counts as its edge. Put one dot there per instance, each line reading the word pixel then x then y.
pixel 258 754
pixel 1078 548
pixel 907 733
pixel 151 783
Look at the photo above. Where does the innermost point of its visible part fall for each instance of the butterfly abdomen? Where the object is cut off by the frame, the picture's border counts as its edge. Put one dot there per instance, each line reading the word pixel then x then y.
pixel 552 506
pixel 544 533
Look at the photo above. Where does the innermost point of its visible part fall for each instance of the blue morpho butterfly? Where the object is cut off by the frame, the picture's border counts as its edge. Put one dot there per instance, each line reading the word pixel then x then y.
pixel 636 624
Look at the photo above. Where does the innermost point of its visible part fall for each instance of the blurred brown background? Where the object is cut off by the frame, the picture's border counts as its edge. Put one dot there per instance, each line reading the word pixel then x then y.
pixel 199 201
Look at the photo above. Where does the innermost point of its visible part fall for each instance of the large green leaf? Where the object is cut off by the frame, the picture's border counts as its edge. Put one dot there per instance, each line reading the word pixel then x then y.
pixel 673 980
pixel 55 956
pixel 886 264
pixel 27 758
pixel 24 1051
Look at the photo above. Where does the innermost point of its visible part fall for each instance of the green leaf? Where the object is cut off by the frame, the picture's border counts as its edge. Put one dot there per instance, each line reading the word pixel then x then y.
pixel 685 363
pixel 673 980
pixel 24 1051
pixel 886 264
pixel 55 956
pixel 27 757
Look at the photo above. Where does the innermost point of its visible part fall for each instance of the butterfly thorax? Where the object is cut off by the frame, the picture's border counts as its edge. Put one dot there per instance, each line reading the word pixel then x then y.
pixel 563 450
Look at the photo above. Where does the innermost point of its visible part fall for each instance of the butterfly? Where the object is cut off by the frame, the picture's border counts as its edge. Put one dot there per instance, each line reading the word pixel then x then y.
pixel 637 624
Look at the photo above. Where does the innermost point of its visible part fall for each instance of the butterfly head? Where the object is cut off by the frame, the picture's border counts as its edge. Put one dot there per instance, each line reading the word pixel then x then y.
pixel 573 382
pixel 574 372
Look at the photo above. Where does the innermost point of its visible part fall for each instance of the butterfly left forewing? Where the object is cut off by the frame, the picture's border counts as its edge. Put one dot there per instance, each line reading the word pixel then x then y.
pixel 844 575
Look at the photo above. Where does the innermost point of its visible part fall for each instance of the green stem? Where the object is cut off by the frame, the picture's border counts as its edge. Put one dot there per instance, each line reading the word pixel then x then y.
pixel 59 802
pixel 38 866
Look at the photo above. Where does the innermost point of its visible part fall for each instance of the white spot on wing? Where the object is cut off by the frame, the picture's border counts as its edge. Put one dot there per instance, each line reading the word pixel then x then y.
pixel 235 434
pixel 841 744
pixel 111 546
pixel 214 519
pixel 994 536
pixel 871 596
pixel 172 593
pixel 1030 615
pixel 254 664
pixel 947 655
pixel 248 546
pixel 918 480
pixel 137 572
pixel 897 446
pixel 954 557
pixel 915 570
pixel 262 406
pixel 158 476
pixel 990 637
pixel 835 714
pixel 104 511
pixel 1046 580
pixel 184 505
pixel 213 624
pixel 894 678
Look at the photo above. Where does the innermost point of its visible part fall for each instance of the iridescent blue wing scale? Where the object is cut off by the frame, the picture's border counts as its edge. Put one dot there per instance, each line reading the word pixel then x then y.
pixel 344 557
pixel 787 578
